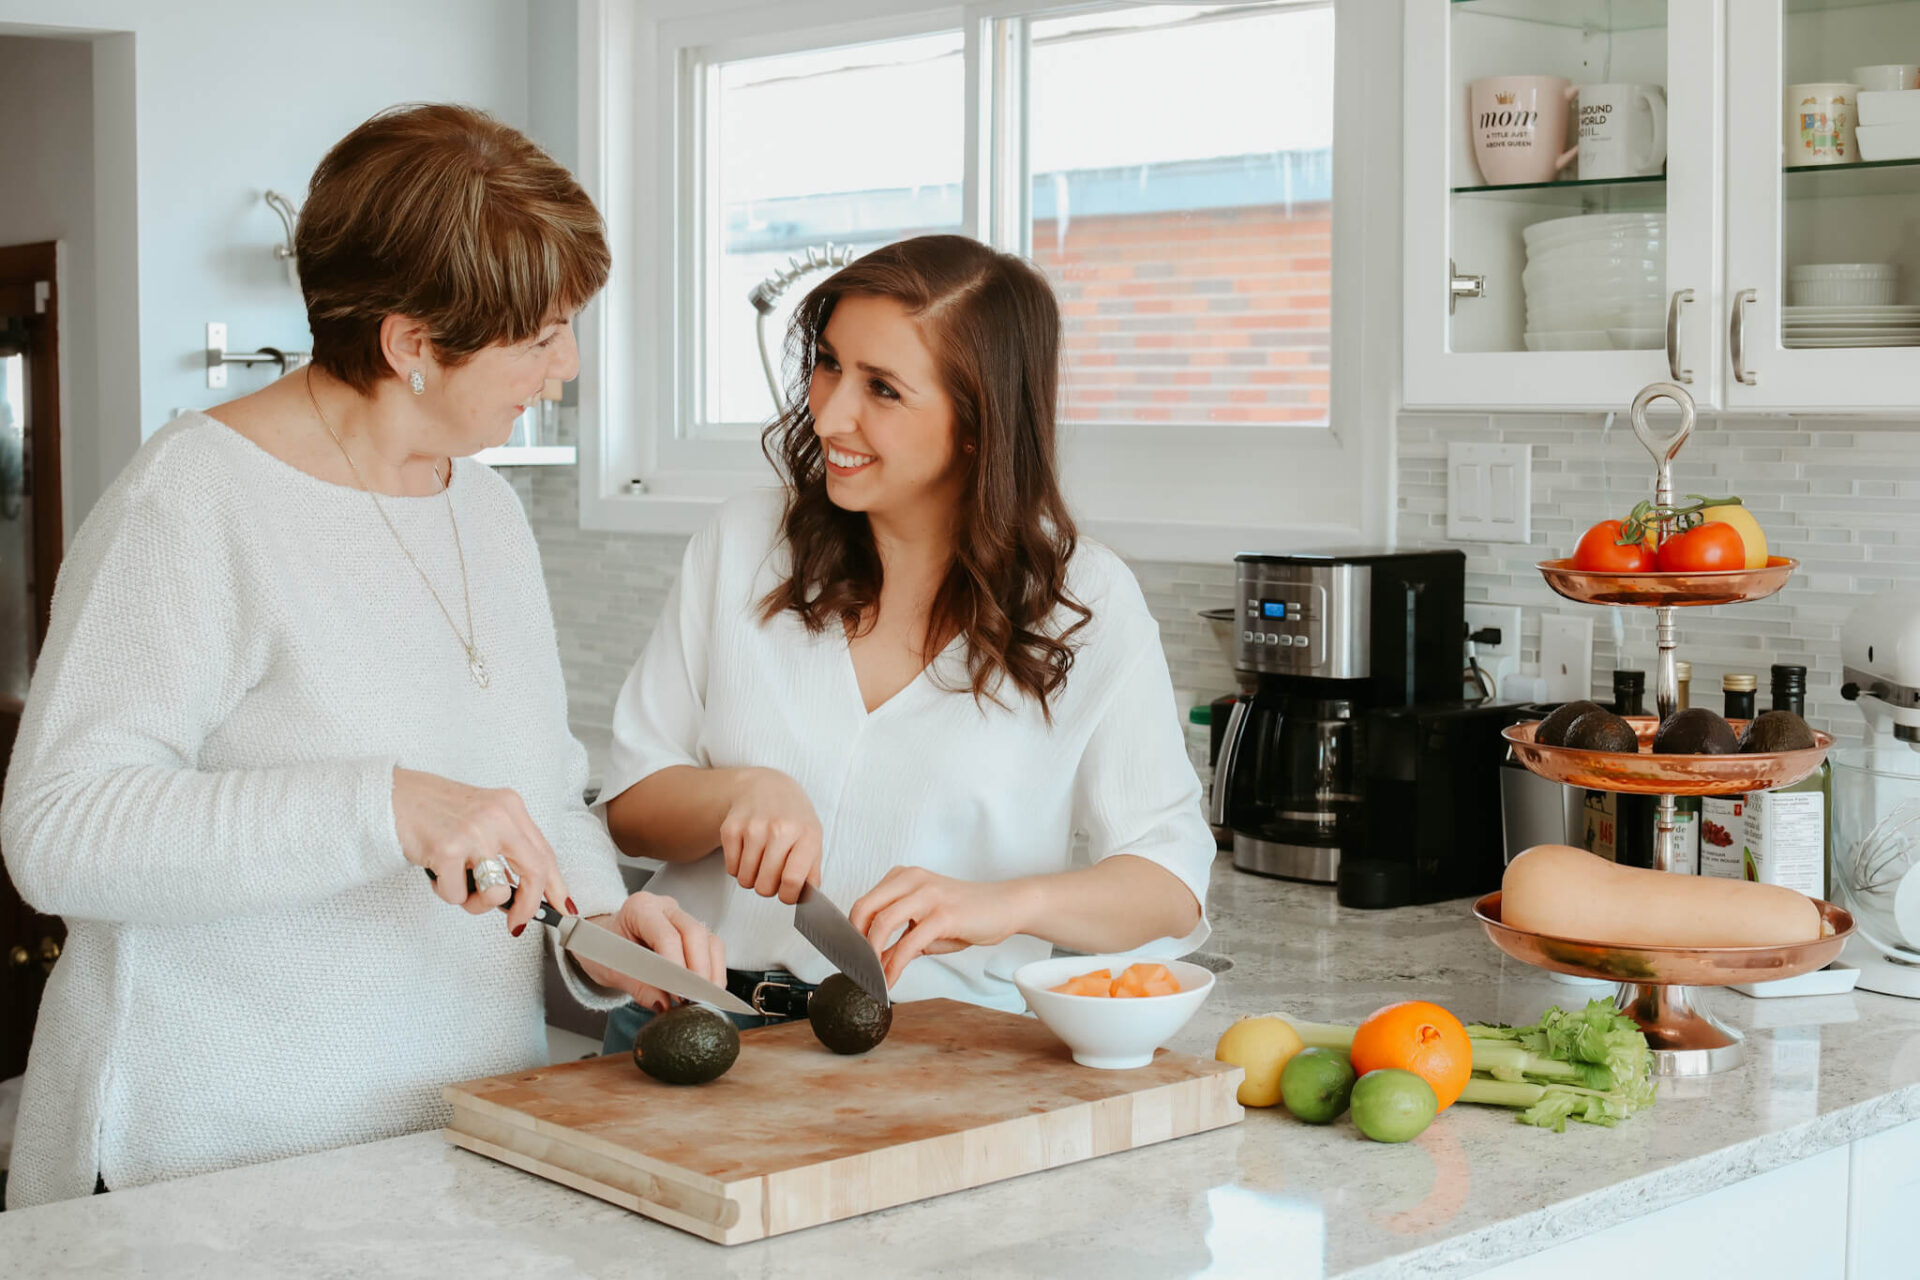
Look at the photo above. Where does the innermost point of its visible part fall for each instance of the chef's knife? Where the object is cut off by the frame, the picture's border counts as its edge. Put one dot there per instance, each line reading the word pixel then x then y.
pixel 845 947
pixel 608 949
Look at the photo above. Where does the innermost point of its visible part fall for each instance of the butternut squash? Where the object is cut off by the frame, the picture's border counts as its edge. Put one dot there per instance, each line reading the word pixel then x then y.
pixel 1569 893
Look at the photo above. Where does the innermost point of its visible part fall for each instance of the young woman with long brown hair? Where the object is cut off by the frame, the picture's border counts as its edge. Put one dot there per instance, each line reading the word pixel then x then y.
pixel 904 677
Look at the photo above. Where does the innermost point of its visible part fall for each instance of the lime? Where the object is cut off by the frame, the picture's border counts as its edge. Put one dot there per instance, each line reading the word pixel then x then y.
pixel 1315 1084
pixel 1391 1105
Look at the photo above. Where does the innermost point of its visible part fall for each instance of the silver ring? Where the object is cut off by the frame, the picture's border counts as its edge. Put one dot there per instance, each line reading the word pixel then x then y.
pixel 489 873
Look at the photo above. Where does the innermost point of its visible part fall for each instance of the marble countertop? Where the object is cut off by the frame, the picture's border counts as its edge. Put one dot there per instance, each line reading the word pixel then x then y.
pixel 1268 1196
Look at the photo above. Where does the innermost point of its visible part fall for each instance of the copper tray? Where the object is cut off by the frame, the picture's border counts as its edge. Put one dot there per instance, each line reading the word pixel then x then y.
pixel 1646 774
pixel 1655 590
pixel 1667 966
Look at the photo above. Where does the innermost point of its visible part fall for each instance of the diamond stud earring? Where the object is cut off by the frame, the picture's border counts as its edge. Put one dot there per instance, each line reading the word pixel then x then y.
pixel 418 381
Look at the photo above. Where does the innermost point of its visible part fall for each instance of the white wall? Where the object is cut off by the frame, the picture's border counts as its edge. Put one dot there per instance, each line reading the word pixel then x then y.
pixel 229 98
pixel 46 100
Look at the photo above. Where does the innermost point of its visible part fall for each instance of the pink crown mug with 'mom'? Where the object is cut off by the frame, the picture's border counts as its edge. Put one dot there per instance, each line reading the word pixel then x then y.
pixel 1519 127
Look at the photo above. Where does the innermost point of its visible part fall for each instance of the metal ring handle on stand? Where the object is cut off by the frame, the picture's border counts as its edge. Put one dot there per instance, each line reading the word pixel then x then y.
pixel 1663 451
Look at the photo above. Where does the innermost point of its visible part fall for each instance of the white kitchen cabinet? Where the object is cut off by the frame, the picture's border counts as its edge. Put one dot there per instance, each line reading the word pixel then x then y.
pixel 1736 221
pixel 1780 217
pixel 1787 1224
pixel 1883 1232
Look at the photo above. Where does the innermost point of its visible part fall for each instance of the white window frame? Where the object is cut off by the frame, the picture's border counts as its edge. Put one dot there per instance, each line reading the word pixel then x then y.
pixel 1236 486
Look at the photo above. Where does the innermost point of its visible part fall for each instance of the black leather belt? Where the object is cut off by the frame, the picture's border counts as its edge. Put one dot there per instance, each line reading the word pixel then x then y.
pixel 774 993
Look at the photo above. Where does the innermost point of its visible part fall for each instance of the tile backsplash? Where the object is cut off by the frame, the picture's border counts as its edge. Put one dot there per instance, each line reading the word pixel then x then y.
pixel 608 590
pixel 1841 496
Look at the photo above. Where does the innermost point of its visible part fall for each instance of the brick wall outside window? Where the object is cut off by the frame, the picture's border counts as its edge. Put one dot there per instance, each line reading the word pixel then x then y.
pixel 1216 315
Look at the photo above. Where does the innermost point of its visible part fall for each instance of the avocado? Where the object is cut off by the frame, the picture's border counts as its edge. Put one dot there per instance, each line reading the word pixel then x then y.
pixel 1553 730
pixel 688 1045
pixel 1601 730
pixel 1777 731
pixel 1695 731
pixel 845 1018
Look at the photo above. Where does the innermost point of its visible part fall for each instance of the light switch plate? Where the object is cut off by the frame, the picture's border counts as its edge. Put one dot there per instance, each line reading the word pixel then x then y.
pixel 1490 492
pixel 1566 656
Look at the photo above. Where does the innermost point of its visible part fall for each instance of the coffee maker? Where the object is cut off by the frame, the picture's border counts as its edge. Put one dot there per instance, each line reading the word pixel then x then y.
pixel 1327 639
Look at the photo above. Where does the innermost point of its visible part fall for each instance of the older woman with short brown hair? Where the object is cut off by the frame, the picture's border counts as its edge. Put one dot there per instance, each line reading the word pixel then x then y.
pixel 301 651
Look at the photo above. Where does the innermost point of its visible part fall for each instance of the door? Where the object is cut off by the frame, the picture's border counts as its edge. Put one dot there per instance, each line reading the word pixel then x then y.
pixel 1808 329
pixel 1499 314
pixel 30 544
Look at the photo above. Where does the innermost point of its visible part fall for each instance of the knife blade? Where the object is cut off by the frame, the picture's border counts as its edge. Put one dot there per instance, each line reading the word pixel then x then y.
pixel 609 950
pixel 845 947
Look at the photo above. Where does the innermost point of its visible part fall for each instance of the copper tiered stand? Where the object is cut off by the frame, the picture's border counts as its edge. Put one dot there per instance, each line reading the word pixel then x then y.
pixel 1657 981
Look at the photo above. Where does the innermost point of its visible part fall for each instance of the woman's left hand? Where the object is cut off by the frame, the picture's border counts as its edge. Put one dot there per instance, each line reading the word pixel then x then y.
pixel 657 923
pixel 938 913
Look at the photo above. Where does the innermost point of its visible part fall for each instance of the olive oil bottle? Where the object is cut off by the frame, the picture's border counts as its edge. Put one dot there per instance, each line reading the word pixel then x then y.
pixel 1723 819
pixel 1787 827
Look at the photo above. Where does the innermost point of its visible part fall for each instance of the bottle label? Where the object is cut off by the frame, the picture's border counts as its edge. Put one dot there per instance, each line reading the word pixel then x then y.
pixel 1786 840
pixel 1686 854
pixel 1598 826
pixel 1723 835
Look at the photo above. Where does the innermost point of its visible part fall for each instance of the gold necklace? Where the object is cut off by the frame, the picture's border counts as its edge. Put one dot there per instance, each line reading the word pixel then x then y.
pixel 476 665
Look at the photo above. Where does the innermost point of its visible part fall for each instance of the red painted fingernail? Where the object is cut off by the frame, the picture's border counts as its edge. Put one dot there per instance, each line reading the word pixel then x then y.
pixel 571 909
pixel 519 929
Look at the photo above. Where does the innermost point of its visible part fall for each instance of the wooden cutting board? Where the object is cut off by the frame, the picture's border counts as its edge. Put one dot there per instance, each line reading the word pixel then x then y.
pixel 794 1135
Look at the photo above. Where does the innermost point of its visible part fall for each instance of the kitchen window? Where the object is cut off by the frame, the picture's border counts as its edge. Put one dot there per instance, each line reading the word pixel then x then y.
pixel 1170 167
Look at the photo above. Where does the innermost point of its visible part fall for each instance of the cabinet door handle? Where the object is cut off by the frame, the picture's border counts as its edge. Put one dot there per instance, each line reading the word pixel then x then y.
pixel 1737 337
pixel 1459 286
pixel 1680 298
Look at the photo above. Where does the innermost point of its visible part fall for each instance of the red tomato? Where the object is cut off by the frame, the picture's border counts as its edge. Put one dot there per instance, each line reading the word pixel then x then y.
pixel 1600 551
pixel 1704 548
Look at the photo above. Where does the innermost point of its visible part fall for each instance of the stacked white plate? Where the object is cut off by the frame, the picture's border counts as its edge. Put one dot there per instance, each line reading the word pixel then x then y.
pixel 1886 326
pixel 1596 281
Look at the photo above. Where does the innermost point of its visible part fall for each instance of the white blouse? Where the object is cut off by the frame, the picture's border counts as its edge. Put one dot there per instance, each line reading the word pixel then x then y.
pixel 930 778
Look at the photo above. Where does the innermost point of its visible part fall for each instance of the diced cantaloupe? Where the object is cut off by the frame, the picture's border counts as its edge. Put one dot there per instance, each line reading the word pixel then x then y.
pixel 1097 983
pixel 1146 980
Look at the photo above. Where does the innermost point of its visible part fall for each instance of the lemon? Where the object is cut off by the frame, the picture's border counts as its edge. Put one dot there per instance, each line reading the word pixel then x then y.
pixel 1747 527
pixel 1261 1047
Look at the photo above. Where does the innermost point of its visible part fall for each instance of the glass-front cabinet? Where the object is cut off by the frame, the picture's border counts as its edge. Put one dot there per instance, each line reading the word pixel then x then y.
pixel 1604 193
pixel 1823 204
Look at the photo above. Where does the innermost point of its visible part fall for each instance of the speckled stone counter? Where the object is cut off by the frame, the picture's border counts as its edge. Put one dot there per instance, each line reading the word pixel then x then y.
pixel 1270 1196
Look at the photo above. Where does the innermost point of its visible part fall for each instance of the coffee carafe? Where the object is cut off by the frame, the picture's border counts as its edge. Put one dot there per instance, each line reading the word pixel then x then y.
pixel 1325 639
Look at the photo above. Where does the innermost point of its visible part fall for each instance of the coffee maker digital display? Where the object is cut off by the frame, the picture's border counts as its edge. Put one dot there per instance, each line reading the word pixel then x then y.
pixel 1326 640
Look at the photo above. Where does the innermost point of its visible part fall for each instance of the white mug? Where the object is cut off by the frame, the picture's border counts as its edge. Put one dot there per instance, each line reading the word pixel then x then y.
pixel 1819 124
pixel 1623 130
pixel 1519 126
pixel 1889 76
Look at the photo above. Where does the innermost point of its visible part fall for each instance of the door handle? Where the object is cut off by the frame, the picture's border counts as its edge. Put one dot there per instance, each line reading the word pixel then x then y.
pixel 1462 286
pixel 1229 753
pixel 1737 337
pixel 1680 298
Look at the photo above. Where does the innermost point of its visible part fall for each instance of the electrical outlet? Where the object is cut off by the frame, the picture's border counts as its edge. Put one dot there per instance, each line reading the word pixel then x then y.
pixel 1566 656
pixel 1489 492
pixel 1502 659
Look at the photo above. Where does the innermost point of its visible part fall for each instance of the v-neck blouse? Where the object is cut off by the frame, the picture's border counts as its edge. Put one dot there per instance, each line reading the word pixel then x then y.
pixel 929 778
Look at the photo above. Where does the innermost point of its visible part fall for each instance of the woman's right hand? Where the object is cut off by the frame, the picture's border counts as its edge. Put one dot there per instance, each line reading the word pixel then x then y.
pixel 771 836
pixel 448 827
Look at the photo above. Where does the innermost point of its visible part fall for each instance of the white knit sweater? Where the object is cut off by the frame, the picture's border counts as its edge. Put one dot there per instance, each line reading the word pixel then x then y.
pixel 202 787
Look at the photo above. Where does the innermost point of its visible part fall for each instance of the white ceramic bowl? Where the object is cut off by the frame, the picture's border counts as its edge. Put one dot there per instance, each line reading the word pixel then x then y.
pixel 1112 1034
pixel 1638 339
pixel 1570 340
pixel 1844 284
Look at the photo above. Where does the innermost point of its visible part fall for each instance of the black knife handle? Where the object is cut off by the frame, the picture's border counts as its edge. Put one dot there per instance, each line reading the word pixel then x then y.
pixel 545 914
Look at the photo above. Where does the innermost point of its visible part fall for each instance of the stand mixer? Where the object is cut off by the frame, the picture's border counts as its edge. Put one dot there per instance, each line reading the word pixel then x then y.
pixel 1875 836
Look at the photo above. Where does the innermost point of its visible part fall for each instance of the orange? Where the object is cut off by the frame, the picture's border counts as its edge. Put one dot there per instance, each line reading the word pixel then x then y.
pixel 1146 980
pixel 1418 1037
pixel 1097 983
